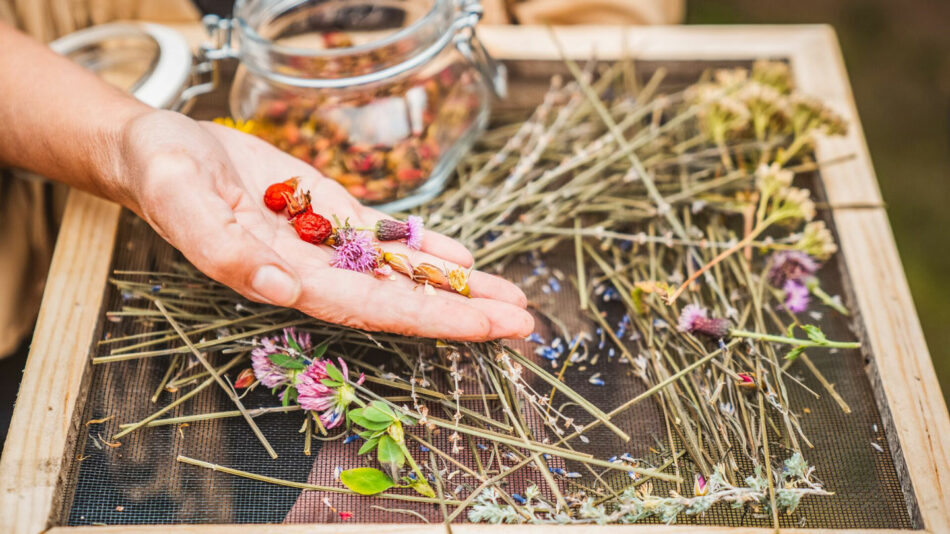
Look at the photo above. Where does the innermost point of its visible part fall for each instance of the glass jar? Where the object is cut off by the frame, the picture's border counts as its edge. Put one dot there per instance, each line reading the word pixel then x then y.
pixel 384 96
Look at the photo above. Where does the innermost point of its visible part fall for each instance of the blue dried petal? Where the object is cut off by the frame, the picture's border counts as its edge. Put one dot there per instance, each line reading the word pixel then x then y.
pixel 423 448
pixel 156 288
pixel 611 352
pixel 557 471
pixel 350 439
pixel 597 381
pixel 536 338
pixel 547 353
pixel 573 474
pixel 546 456
pixel 482 446
pixel 554 284
pixel 519 499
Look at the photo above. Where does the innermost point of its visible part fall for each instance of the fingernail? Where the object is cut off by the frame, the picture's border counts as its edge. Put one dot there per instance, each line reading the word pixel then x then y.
pixel 276 285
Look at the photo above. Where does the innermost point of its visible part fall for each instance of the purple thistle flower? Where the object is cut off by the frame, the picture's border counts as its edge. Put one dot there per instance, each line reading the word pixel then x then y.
pixel 695 320
pixel 411 230
pixel 797 296
pixel 354 251
pixel 416 231
pixel 791 265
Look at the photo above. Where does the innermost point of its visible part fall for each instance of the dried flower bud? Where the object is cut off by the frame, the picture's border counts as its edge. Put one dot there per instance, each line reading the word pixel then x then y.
pixel 700 488
pixel 428 273
pixel 745 382
pixel 391 230
pixel 695 320
pixel 244 379
pixel 399 263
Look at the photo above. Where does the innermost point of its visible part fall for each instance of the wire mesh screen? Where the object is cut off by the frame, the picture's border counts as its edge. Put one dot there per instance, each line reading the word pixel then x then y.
pixel 140 481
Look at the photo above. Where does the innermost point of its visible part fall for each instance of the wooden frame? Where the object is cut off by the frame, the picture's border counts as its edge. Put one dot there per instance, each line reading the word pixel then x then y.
pixel 46 417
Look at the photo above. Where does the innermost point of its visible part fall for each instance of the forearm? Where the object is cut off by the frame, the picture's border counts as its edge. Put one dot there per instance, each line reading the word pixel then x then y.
pixel 60 120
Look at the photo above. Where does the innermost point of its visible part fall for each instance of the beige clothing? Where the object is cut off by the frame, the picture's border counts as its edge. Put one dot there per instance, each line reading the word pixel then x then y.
pixel 29 208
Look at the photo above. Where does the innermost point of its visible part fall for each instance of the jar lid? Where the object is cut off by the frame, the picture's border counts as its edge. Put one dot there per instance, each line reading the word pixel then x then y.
pixel 150 61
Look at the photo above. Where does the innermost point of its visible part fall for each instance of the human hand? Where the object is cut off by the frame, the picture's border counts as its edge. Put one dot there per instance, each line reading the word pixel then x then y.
pixel 200 186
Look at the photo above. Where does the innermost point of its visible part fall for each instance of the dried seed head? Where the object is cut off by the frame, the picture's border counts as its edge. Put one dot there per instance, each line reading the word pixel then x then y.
pixel 399 263
pixel 428 273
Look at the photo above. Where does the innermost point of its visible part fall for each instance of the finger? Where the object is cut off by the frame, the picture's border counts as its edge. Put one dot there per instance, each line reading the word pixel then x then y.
pixel 507 320
pixel 361 301
pixel 480 284
pixel 434 243
pixel 204 228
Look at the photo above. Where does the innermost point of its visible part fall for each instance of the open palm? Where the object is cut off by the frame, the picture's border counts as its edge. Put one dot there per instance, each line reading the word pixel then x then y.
pixel 201 187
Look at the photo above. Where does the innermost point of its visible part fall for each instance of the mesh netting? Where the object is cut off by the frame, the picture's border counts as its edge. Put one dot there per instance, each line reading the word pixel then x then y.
pixel 140 482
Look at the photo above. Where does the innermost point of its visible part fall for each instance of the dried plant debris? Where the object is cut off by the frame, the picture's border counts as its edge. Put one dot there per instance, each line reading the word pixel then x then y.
pixel 680 214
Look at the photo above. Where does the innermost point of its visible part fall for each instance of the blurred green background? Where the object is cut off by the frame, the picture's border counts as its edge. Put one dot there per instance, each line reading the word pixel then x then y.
pixel 898 58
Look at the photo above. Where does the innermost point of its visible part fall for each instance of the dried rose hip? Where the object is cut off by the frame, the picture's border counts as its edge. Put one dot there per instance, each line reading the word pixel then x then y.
pixel 312 227
pixel 275 197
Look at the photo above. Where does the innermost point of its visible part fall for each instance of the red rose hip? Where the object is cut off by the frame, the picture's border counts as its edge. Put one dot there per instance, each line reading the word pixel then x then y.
pixel 275 197
pixel 312 227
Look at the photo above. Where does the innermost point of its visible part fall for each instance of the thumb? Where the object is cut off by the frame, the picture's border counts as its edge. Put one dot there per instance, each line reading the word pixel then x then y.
pixel 207 231
pixel 238 259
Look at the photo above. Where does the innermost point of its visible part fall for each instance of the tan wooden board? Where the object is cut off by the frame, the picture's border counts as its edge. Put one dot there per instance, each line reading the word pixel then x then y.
pixel 45 419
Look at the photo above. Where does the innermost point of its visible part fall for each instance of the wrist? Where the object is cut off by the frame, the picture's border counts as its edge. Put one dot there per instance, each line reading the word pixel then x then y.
pixel 123 166
pixel 115 162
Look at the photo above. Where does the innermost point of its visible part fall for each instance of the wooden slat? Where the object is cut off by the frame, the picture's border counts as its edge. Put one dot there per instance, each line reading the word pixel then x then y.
pixel 911 392
pixel 907 380
pixel 46 408
pixel 355 528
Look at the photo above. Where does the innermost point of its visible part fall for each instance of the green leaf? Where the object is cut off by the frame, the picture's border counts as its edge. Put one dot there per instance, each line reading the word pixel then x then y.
pixel 320 350
pixel 287 362
pixel 379 412
pixel 422 487
pixel 293 344
pixel 815 334
pixel 390 455
pixel 366 480
pixel 790 332
pixel 331 383
pixel 368 446
pixel 357 417
pixel 389 452
pixel 290 395
pixel 409 421
pixel 334 373
pixel 794 353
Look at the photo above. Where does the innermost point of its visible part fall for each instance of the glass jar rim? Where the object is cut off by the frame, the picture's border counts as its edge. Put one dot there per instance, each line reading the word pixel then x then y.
pixel 246 30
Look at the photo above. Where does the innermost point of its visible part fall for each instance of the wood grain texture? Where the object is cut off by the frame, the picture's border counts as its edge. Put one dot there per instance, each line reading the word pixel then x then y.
pixel 46 409
pixel 347 528
pixel 891 331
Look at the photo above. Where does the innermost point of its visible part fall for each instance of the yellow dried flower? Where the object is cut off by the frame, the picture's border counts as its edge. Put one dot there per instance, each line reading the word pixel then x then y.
pixel 458 281
pixel 247 126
